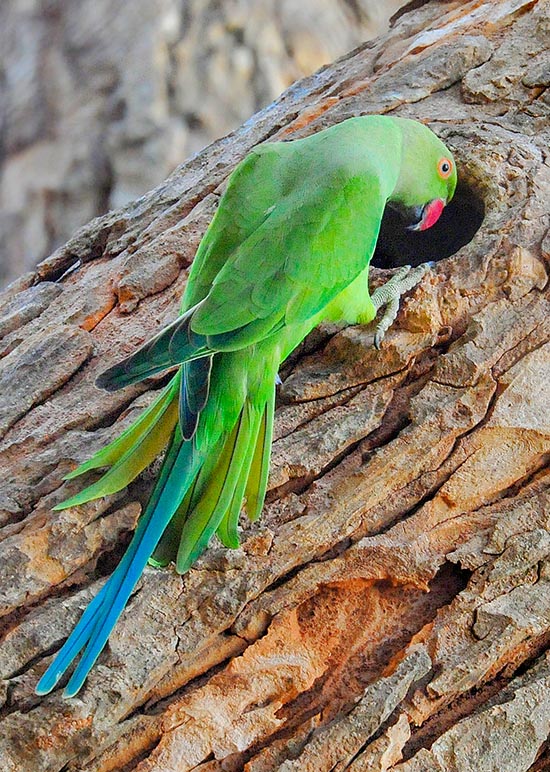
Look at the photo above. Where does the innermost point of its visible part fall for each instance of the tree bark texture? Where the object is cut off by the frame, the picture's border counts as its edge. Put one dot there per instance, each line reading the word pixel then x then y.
pixel 391 610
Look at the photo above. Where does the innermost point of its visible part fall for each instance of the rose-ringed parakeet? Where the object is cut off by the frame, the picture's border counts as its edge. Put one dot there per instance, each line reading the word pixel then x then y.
pixel 289 247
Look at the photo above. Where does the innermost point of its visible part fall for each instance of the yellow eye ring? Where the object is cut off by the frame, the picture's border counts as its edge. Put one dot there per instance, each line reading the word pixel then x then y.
pixel 445 168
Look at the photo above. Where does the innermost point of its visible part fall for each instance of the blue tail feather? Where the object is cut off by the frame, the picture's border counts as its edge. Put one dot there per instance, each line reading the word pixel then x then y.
pixel 72 646
pixel 92 631
pixel 200 483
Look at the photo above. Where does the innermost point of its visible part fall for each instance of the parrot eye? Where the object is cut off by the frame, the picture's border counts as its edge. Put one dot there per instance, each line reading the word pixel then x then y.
pixel 444 168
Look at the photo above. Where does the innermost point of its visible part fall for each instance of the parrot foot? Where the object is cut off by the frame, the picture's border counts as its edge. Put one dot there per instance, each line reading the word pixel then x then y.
pixel 389 295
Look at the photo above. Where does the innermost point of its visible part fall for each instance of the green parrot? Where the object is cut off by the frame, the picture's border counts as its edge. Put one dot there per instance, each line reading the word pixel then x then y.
pixel 288 247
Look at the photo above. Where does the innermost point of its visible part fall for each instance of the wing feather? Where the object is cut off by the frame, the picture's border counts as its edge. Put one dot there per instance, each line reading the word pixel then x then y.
pixel 310 247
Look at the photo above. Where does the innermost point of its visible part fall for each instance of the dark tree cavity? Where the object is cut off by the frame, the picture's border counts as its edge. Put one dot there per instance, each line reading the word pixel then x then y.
pixel 460 221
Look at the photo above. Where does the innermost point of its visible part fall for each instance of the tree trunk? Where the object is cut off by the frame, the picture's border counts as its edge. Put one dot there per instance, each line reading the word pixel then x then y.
pixel 391 610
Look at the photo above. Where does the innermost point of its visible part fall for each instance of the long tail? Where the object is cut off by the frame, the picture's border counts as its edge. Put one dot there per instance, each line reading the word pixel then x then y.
pixel 199 491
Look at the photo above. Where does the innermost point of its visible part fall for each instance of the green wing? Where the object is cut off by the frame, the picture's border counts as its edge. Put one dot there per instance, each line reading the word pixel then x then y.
pixel 252 188
pixel 311 244
pixel 296 225
pixel 282 245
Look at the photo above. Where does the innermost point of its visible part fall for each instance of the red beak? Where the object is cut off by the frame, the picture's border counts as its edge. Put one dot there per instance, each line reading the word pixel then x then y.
pixel 430 214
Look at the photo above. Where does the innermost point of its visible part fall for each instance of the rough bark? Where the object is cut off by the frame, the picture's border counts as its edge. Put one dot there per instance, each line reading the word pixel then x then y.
pixel 392 608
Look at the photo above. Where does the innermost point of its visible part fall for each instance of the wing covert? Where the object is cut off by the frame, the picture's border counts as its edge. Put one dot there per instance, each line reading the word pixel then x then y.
pixel 312 245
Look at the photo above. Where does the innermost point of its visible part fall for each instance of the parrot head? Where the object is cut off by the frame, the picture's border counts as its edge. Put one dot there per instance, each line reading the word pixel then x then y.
pixel 427 178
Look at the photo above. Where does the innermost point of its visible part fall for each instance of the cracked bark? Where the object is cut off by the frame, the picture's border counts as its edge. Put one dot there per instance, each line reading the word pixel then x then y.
pixel 392 608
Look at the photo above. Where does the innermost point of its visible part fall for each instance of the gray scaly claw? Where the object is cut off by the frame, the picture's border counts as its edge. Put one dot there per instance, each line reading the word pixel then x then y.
pixel 389 295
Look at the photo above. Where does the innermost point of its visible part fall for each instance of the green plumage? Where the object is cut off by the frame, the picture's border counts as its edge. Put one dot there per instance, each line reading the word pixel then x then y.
pixel 290 245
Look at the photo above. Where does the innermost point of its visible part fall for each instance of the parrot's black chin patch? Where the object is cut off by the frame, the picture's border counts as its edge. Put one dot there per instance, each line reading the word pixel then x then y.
pixel 411 216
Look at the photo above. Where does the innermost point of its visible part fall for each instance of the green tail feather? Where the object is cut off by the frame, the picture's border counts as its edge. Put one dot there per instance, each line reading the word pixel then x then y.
pixel 213 502
pixel 133 451
pixel 228 528
pixel 112 452
pixel 256 485
pixel 215 495
pixel 167 548
pixel 90 635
